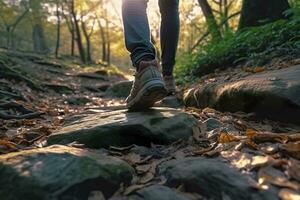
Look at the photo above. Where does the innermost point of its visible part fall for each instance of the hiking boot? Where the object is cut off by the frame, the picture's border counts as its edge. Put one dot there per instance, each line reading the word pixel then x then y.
pixel 170 85
pixel 148 87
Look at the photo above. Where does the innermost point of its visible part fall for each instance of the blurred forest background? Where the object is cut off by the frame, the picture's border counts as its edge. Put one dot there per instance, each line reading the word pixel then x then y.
pixel 214 33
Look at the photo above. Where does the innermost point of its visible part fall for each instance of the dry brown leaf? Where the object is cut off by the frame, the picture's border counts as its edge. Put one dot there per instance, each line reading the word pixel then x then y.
pixel 293 169
pixel 227 138
pixel 9 145
pixel 270 137
pixel 258 69
pixel 271 175
pixel 149 176
pixel 291 149
pixel 287 194
pixel 132 158
pixel 251 132
pixel 141 169
pixel 294 137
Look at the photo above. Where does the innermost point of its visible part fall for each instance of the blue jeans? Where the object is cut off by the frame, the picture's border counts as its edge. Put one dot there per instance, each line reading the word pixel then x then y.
pixel 138 37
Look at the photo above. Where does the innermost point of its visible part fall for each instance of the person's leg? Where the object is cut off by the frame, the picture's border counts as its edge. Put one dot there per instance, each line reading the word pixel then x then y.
pixel 148 86
pixel 170 25
pixel 137 31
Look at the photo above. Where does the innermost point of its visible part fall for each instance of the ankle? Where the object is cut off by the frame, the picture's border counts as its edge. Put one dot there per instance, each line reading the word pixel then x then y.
pixel 147 63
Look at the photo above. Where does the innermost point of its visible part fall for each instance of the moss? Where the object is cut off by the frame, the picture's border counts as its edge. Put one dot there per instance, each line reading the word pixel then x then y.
pixel 254 46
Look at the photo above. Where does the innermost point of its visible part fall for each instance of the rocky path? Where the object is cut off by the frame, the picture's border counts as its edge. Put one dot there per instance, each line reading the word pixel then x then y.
pixel 105 152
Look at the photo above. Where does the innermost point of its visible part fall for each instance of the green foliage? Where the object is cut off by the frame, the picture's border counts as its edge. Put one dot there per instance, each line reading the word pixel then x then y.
pixel 254 46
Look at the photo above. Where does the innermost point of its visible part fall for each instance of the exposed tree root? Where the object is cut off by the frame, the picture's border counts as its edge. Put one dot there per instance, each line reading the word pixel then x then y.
pixel 26 113
pixel 12 95
pixel 8 72
pixel 25 116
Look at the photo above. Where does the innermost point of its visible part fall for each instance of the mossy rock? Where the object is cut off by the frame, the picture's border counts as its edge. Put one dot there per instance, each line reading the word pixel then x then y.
pixel 123 128
pixel 60 172
pixel 119 90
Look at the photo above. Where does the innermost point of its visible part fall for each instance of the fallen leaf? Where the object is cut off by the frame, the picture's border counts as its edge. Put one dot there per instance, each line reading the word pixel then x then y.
pixel 294 137
pixel 293 169
pixel 141 169
pixel 270 137
pixel 132 158
pixel 258 69
pixel 291 149
pixel 251 132
pixel 149 176
pixel 227 138
pixel 275 177
pixel 8 144
pixel 287 194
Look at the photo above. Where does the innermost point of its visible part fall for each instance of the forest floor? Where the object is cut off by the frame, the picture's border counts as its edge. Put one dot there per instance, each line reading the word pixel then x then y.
pixel 65 133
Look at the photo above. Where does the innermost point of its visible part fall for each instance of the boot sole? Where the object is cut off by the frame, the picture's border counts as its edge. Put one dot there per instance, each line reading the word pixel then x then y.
pixel 151 93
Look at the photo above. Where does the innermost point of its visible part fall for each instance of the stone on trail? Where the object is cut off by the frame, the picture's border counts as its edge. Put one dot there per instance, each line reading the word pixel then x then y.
pixel 212 179
pixel 123 128
pixel 271 94
pixel 119 90
pixel 156 192
pixel 60 172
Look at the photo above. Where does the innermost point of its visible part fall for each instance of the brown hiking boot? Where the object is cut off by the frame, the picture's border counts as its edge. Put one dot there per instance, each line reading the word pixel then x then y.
pixel 148 87
pixel 170 85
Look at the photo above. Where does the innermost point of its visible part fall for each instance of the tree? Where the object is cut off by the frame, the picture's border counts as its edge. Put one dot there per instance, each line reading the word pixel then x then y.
pixel 87 36
pixel 78 37
pixel 210 19
pixel 259 12
pixel 58 16
pixel 11 25
pixel 38 33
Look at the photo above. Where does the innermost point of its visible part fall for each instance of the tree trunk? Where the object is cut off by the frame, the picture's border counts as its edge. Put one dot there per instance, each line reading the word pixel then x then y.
pixel 107 41
pixel 103 39
pixel 58 30
pixel 78 34
pixel 210 19
pixel 259 12
pixel 88 42
pixel 39 41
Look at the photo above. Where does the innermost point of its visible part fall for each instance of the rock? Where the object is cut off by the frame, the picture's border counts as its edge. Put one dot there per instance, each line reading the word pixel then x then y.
pixel 98 87
pixel 212 124
pixel 120 89
pixel 62 89
pixel 270 94
pixel 212 179
pixel 156 192
pixel 102 72
pixel 123 128
pixel 96 76
pixel 78 100
pixel 171 102
pixel 60 172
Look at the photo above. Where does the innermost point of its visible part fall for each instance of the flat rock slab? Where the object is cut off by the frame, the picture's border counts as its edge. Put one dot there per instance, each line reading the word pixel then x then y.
pixel 123 128
pixel 119 90
pixel 212 179
pixel 60 172
pixel 156 192
pixel 271 94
